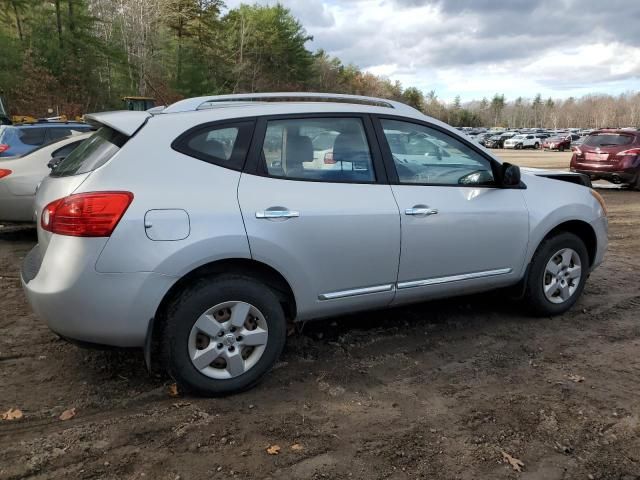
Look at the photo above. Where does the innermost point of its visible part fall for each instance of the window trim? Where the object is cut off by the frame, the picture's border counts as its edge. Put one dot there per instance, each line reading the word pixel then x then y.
pixel 390 165
pixel 238 160
pixel 256 164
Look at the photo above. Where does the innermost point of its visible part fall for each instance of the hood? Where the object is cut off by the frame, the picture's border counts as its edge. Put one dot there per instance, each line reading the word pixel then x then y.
pixel 562 175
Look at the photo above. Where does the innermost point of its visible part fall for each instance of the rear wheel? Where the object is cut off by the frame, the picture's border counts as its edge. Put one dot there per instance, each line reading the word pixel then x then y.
pixel 536 146
pixel 557 274
pixel 561 148
pixel 223 335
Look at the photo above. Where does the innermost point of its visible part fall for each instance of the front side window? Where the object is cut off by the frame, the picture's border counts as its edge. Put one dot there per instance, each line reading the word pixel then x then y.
pixel 423 155
pixel 321 149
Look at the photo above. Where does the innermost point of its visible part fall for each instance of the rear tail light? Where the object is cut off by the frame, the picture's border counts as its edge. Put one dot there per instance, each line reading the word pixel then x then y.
pixel 93 214
pixel 328 158
pixel 576 150
pixel 631 151
pixel 4 147
pixel 4 172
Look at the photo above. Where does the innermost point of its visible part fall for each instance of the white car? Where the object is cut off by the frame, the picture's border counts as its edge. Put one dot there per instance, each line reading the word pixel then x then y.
pixel 20 177
pixel 523 141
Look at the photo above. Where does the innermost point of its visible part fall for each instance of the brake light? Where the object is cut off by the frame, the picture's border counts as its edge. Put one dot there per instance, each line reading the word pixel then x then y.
pixel 631 151
pixel 4 147
pixel 4 172
pixel 576 150
pixel 94 214
pixel 328 158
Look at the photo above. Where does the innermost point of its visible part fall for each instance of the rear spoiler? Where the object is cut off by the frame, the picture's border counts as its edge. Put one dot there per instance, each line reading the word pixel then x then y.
pixel 126 122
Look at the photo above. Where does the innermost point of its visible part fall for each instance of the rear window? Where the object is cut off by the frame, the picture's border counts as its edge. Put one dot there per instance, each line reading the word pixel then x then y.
pixel 31 135
pixel 608 140
pixel 94 152
pixel 61 132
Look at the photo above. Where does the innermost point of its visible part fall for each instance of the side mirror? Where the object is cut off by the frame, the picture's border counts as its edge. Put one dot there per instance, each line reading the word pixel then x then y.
pixel 53 163
pixel 510 175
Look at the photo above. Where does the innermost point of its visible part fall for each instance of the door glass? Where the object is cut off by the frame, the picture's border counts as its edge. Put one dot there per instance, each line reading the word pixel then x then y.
pixel 326 149
pixel 424 155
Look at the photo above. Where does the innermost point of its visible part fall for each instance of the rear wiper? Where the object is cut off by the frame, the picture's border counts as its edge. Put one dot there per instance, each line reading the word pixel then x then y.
pixel 608 144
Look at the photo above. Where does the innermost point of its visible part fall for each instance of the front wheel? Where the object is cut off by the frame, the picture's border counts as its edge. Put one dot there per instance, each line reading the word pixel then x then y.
pixel 223 334
pixel 557 274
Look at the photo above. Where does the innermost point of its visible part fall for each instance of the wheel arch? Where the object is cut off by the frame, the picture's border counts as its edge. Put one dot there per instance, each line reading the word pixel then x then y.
pixel 232 266
pixel 582 230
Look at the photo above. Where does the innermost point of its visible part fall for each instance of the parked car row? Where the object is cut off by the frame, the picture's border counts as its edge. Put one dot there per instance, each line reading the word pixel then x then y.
pixel 527 138
pixel 198 232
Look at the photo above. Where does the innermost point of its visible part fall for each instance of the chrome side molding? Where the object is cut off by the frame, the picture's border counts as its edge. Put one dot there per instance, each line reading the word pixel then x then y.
pixel 412 284
pixel 356 291
pixel 453 278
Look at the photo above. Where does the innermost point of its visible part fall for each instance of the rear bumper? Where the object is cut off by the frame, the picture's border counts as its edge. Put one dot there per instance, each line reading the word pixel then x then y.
pixel 81 304
pixel 612 175
pixel 15 208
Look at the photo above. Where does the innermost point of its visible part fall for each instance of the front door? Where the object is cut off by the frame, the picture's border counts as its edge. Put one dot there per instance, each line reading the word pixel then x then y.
pixel 460 231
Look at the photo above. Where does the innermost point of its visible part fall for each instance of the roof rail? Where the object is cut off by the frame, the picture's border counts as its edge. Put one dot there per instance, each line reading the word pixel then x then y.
pixel 200 103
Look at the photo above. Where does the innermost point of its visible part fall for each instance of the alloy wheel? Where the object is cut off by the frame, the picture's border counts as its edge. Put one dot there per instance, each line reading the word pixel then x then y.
pixel 562 276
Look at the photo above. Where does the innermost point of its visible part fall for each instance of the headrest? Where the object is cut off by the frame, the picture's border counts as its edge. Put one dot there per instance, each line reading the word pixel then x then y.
pixel 299 149
pixel 350 147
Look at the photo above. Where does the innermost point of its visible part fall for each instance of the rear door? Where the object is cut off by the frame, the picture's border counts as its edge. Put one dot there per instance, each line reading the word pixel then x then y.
pixel 459 231
pixel 332 229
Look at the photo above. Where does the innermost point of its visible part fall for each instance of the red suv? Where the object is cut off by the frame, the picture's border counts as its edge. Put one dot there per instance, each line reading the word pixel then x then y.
pixel 612 155
pixel 557 143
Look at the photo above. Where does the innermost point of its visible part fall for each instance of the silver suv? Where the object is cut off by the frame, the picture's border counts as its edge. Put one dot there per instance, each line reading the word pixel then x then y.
pixel 199 230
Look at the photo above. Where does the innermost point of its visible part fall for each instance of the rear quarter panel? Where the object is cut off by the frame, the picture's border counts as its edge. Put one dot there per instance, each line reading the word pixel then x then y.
pixel 161 178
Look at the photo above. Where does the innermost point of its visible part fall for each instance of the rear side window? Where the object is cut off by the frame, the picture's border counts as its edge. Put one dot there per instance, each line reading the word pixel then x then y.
pixel 320 149
pixel 92 153
pixel 31 136
pixel 225 145
pixel 608 140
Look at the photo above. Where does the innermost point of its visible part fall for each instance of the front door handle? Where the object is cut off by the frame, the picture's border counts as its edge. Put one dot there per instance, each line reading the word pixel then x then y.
pixel 421 211
pixel 279 213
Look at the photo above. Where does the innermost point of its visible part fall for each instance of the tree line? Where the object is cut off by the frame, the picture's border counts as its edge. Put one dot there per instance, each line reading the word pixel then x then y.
pixel 78 56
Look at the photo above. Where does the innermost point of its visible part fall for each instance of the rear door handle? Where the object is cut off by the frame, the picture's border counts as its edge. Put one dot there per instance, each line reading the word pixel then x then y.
pixel 277 214
pixel 421 211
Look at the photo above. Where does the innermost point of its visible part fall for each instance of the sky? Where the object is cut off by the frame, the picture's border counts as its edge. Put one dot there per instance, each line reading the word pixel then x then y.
pixel 476 48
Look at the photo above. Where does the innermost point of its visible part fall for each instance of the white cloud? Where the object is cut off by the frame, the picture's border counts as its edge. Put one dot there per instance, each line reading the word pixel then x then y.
pixel 476 48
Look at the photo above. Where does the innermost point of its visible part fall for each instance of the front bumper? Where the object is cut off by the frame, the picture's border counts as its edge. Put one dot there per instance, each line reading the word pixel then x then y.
pixel 601 227
pixel 81 304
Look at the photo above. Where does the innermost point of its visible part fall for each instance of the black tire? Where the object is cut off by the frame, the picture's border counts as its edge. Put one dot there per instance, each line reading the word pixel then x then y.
pixel 536 146
pixel 561 148
pixel 534 292
pixel 519 146
pixel 190 305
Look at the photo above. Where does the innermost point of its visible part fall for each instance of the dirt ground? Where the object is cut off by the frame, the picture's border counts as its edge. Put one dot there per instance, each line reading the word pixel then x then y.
pixel 433 391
